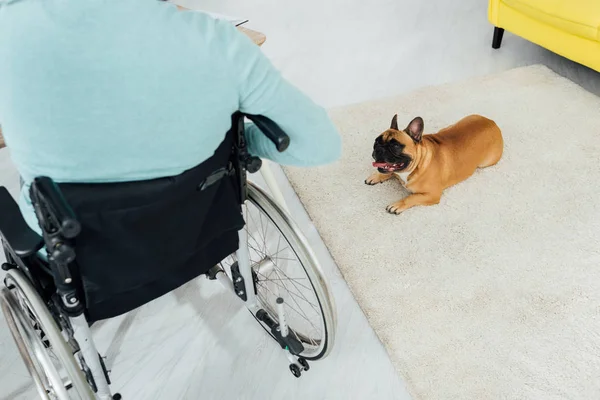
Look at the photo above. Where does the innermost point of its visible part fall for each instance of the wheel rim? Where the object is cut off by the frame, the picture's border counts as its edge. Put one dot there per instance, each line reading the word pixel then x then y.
pixel 281 265
pixel 35 355
pixel 57 380
pixel 42 366
pixel 23 346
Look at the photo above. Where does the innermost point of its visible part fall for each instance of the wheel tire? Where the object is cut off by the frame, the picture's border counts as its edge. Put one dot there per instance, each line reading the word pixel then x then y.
pixel 295 370
pixel 288 229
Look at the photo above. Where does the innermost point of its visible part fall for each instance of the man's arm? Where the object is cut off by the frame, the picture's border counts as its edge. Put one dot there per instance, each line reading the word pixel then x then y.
pixel 314 140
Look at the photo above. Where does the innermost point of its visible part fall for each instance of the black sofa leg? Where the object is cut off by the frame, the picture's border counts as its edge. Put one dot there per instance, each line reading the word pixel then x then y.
pixel 497 41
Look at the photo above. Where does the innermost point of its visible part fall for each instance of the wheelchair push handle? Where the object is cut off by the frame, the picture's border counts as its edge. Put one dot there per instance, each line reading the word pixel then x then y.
pixel 49 198
pixel 271 130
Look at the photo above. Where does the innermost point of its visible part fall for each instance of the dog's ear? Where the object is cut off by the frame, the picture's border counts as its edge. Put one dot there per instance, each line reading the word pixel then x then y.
pixel 395 123
pixel 415 129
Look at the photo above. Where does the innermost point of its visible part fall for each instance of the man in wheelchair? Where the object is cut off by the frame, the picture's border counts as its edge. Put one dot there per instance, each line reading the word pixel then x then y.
pixel 131 188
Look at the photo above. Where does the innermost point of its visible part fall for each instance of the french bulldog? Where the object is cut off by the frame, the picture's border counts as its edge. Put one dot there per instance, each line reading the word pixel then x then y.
pixel 428 164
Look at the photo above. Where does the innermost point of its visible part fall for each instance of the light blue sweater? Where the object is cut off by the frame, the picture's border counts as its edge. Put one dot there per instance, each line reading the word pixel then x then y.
pixel 121 90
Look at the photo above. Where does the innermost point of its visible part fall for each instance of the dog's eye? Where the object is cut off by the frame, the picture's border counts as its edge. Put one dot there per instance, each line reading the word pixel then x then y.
pixel 379 140
pixel 396 148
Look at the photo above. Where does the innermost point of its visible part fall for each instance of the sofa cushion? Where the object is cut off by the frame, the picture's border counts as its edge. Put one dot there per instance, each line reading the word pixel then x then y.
pixel 578 17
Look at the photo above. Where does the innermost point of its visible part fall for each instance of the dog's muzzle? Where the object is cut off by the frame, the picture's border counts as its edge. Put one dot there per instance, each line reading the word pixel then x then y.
pixel 386 163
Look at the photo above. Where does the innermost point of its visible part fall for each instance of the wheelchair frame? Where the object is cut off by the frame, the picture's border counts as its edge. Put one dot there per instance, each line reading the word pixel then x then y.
pixel 59 227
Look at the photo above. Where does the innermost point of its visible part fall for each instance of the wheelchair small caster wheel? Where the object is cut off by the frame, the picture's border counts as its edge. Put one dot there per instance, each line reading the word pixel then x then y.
pixel 295 370
pixel 303 363
pixel 117 396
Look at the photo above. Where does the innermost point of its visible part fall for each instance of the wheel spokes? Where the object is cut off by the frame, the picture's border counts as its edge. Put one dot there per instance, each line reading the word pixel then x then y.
pixel 268 243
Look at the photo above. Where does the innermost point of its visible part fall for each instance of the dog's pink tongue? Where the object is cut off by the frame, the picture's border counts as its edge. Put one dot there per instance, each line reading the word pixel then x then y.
pixel 379 164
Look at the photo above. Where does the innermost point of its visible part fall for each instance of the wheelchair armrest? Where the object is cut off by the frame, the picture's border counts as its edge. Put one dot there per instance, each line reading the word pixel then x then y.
pixel 14 230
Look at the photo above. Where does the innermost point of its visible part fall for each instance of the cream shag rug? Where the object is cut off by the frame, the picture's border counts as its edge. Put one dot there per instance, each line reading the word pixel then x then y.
pixel 495 292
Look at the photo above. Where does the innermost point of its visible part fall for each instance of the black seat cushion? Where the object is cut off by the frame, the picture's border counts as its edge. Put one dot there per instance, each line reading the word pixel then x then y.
pixel 140 240
pixel 18 236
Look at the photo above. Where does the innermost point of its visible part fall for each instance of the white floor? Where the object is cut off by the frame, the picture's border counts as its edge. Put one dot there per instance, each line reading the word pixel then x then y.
pixel 199 342
pixel 346 51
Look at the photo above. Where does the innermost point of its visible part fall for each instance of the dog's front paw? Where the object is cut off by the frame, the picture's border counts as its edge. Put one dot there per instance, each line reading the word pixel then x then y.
pixel 376 178
pixel 396 208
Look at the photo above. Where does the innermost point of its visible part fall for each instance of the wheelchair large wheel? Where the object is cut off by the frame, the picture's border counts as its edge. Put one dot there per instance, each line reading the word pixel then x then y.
pixel 45 352
pixel 284 266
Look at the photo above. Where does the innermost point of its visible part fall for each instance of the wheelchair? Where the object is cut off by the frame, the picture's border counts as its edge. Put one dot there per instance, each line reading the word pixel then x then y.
pixel 108 248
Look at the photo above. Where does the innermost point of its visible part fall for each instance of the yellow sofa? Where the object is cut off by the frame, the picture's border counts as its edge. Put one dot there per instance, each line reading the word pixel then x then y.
pixel 570 28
